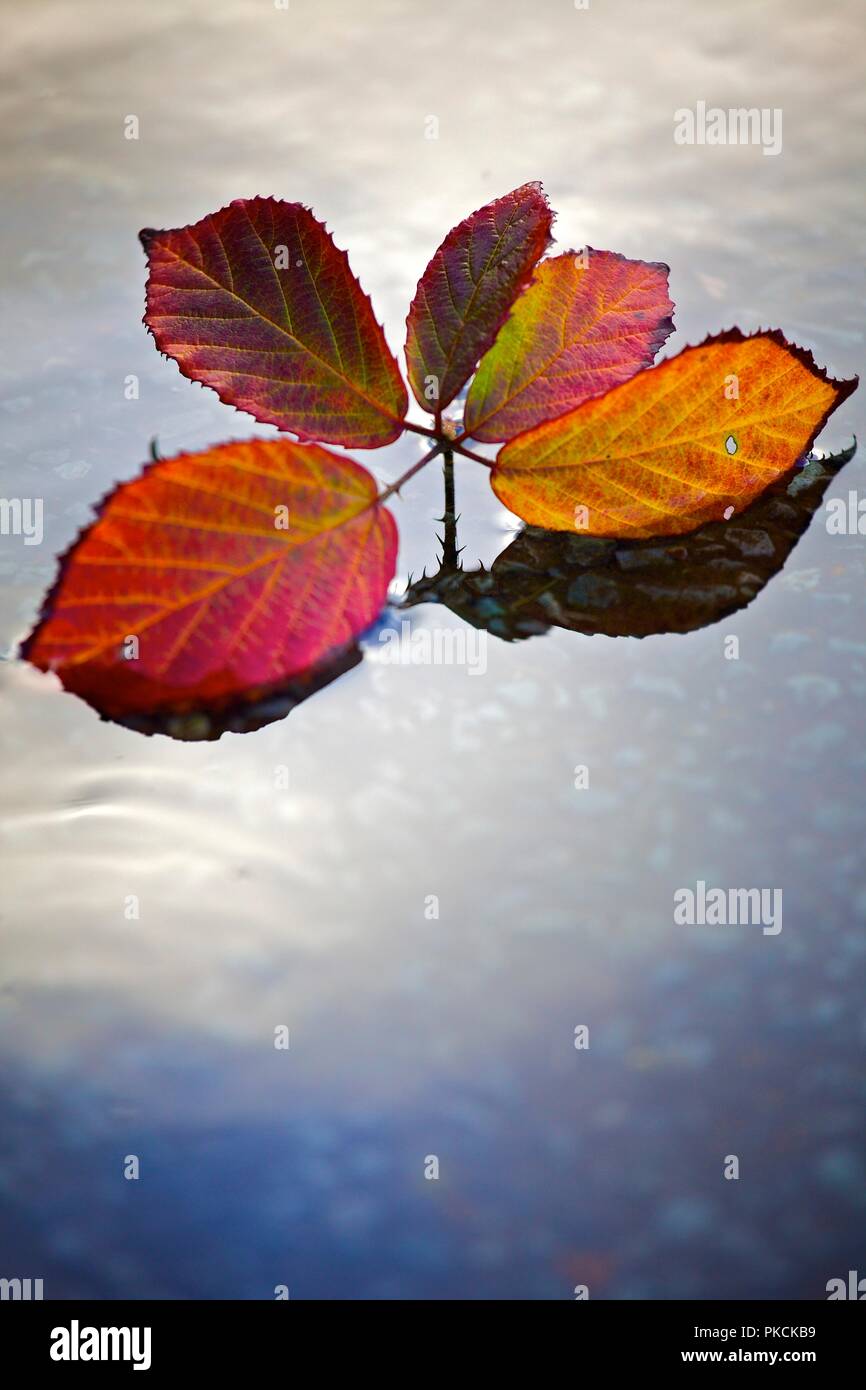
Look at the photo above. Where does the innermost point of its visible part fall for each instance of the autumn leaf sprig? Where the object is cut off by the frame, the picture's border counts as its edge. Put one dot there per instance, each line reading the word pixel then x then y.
pixel 227 572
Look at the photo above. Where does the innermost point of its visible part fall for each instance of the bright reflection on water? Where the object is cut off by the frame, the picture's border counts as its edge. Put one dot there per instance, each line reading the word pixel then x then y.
pixel 306 906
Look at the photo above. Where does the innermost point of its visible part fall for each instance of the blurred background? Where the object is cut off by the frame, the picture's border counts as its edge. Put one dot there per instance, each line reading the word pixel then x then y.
pixel 307 905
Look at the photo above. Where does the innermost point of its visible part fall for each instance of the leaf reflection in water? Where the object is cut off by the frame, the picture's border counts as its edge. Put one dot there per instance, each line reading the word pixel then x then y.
pixel 620 588
pixel 585 584
pixel 243 716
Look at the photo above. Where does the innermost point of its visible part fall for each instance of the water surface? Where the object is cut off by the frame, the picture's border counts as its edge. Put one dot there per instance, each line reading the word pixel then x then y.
pixel 305 905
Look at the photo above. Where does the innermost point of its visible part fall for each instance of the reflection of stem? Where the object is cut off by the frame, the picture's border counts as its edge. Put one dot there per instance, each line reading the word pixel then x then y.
pixel 449 519
pixel 410 473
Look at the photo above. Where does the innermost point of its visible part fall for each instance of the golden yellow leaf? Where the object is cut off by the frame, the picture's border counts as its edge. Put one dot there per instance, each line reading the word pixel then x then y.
pixel 694 439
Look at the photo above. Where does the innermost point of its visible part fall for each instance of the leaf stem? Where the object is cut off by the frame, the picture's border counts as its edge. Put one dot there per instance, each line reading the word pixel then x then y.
pixel 410 473
pixel 441 445
pixel 420 429
pixel 467 453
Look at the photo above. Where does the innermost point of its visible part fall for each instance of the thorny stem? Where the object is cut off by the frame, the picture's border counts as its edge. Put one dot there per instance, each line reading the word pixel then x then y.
pixel 449 520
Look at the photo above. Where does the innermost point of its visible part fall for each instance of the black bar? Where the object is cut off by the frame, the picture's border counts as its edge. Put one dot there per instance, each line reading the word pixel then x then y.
pixel 224 1338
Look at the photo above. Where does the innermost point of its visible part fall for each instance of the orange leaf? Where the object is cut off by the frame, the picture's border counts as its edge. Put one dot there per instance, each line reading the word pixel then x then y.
pixel 217 576
pixel 258 303
pixel 679 444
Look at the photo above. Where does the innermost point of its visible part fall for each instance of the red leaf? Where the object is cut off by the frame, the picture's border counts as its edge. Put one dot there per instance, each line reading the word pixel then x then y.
pixel 191 561
pixel 258 303
pixel 465 293
pixel 585 324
